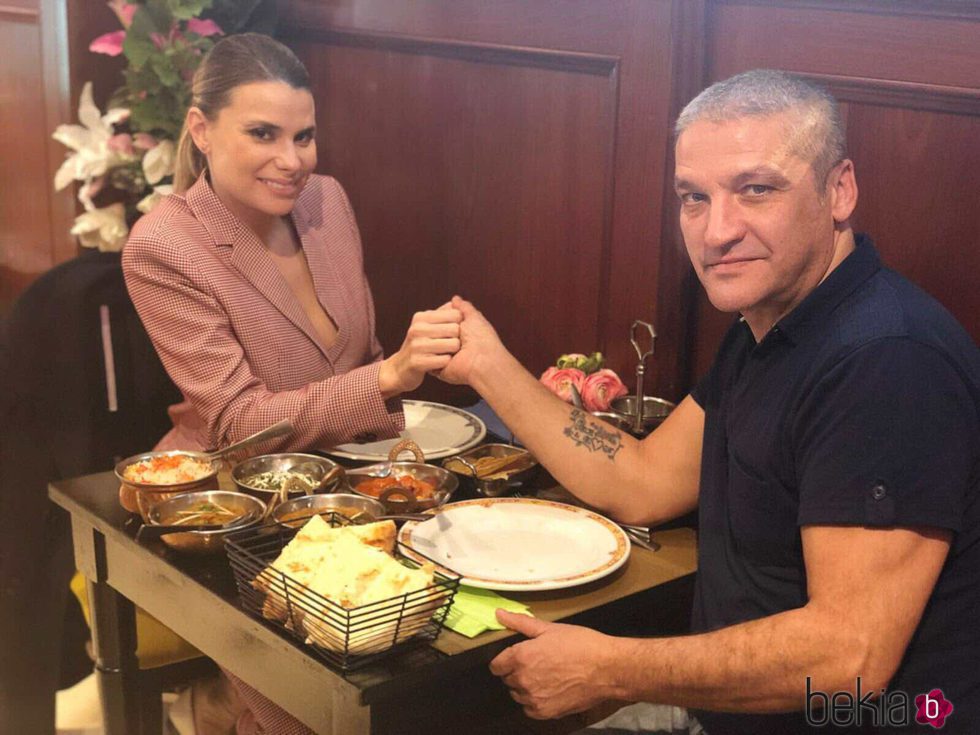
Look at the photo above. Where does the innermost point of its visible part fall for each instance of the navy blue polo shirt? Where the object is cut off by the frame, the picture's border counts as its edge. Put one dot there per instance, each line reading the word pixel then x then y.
pixel 860 407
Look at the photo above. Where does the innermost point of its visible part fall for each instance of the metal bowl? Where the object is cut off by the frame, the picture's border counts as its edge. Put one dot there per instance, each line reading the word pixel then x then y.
pixel 444 482
pixel 655 410
pixel 204 542
pixel 354 507
pixel 142 496
pixel 317 467
pixel 494 487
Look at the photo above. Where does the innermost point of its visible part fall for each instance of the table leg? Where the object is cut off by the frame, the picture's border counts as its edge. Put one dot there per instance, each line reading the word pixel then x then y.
pixel 114 640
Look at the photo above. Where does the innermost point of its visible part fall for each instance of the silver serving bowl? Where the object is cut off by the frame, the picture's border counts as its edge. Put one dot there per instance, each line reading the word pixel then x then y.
pixel 444 482
pixel 497 486
pixel 142 496
pixel 655 410
pixel 296 512
pixel 250 511
pixel 323 472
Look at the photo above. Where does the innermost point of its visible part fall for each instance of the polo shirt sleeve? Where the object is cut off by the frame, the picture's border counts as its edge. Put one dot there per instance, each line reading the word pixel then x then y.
pixel 887 437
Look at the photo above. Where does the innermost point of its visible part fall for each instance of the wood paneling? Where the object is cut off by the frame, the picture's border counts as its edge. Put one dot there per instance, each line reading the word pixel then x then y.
pixel 512 152
pixel 24 198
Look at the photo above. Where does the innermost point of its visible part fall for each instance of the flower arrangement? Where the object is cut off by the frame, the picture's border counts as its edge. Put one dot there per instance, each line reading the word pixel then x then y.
pixel 597 385
pixel 124 158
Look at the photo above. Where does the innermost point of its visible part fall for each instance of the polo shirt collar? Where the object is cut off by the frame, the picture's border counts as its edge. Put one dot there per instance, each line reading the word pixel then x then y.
pixel 854 270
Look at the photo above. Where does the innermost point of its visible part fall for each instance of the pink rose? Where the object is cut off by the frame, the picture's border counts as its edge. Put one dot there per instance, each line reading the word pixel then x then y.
pixel 124 11
pixel 600 388
pixel 203 27
pixel 559 380
pixel 110 44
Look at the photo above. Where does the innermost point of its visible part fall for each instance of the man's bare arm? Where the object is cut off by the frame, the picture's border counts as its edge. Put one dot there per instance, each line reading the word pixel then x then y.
pixel 867 590
pixel 636 482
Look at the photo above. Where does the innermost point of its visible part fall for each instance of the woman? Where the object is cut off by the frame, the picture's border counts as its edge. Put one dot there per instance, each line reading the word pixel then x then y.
pixel 250 280
pixel 250 283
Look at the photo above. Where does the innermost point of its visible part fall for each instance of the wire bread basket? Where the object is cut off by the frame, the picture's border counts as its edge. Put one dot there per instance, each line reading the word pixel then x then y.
pixel 345 637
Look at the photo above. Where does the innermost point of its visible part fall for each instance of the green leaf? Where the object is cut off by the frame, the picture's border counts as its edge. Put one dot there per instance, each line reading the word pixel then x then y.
pixel 137 50
pixel 165 70
pixel 184 9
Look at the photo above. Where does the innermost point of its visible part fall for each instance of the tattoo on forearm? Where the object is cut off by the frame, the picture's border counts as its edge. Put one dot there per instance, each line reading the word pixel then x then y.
pixel 593 435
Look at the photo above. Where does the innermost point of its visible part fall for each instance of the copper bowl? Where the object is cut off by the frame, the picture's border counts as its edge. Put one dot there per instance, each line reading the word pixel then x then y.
pixel 400 500
pixel 250 511
pixel 357 508
pixel 148 494
pixel 492 487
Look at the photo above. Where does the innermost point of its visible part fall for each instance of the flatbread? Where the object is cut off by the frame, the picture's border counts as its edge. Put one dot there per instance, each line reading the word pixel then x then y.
pixel 352 568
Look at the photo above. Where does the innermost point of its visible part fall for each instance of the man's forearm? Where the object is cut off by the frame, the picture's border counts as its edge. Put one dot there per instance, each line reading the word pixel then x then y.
pixel 587 456
pixel 759 666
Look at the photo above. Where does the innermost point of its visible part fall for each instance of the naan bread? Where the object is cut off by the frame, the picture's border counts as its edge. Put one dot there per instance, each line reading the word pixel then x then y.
pixel 352 567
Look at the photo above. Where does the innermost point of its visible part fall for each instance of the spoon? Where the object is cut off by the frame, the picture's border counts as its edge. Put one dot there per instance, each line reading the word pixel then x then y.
pixel 152 532
pixel 273 432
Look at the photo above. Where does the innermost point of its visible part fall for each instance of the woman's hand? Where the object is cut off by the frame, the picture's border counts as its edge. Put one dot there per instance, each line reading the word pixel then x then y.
pixel 431 341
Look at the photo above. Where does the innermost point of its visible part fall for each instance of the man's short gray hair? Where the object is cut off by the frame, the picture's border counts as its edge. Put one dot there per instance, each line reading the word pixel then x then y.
pixel 819 135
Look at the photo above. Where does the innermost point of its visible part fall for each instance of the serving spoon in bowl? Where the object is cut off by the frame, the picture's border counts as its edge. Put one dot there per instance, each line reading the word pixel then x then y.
pixel 282 428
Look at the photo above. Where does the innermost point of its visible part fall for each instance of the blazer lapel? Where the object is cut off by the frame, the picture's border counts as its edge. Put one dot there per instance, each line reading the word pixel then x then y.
pixel 249 257
pixel 308 221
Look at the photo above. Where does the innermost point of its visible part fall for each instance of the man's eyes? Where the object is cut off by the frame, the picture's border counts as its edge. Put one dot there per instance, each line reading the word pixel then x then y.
pixel 692 197
pixel 757 190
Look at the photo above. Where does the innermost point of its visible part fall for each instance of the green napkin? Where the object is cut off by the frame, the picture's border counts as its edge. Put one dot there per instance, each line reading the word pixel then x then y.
pixel 473 609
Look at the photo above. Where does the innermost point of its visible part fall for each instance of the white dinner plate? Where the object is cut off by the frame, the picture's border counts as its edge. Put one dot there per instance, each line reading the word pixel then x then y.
pixel 439 430
pixel 519 543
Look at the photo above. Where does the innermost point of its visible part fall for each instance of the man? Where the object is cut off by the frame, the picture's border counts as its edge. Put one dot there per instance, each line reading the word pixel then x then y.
pixel 832 452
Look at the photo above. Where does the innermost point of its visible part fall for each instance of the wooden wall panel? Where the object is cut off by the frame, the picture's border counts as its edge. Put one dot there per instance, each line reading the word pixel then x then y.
pixel 908 77
pixel 25 200
pixel 513 152
pixel 483 178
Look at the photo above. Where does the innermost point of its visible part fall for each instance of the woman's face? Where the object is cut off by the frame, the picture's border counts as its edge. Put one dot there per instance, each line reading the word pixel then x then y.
pixel 260 149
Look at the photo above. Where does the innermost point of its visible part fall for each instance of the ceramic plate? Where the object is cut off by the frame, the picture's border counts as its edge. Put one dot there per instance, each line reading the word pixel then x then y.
pixel 441 431
pixel 519 543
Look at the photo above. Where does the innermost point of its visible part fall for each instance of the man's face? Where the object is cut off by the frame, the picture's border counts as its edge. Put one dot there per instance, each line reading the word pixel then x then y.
pixel 759 233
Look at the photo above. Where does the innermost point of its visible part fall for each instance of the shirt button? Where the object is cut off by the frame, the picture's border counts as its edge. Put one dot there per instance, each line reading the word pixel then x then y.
pixel 878 492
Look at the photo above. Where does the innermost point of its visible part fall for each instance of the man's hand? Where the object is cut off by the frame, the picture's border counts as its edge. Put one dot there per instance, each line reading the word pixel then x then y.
pixel 479 345
pixel 557 672
pixel 432 338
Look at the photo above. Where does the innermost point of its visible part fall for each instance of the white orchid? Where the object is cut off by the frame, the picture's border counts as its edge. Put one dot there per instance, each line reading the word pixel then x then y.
pixel 93 155
pixel 147 203
pixel 103 228
pixel 159 161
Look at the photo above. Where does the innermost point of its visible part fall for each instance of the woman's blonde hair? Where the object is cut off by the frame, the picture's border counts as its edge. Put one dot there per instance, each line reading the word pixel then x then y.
pixel 232 62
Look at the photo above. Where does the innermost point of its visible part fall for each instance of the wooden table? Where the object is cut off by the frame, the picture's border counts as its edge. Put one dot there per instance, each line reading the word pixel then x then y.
pixel 439 688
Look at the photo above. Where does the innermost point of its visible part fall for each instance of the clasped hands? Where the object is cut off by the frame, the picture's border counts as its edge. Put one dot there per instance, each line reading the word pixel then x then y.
pixel 441 341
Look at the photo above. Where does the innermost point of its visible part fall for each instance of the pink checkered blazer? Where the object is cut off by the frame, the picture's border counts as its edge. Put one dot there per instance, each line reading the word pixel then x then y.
pixel 235 340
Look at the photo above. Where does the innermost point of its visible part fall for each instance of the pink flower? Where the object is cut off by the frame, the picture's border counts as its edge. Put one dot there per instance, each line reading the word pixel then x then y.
pixel 600 388
pixel 110 44
pixel 144 141
pixel 121 143
pixel 124 11
pixel 205 27
pixel 560 380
